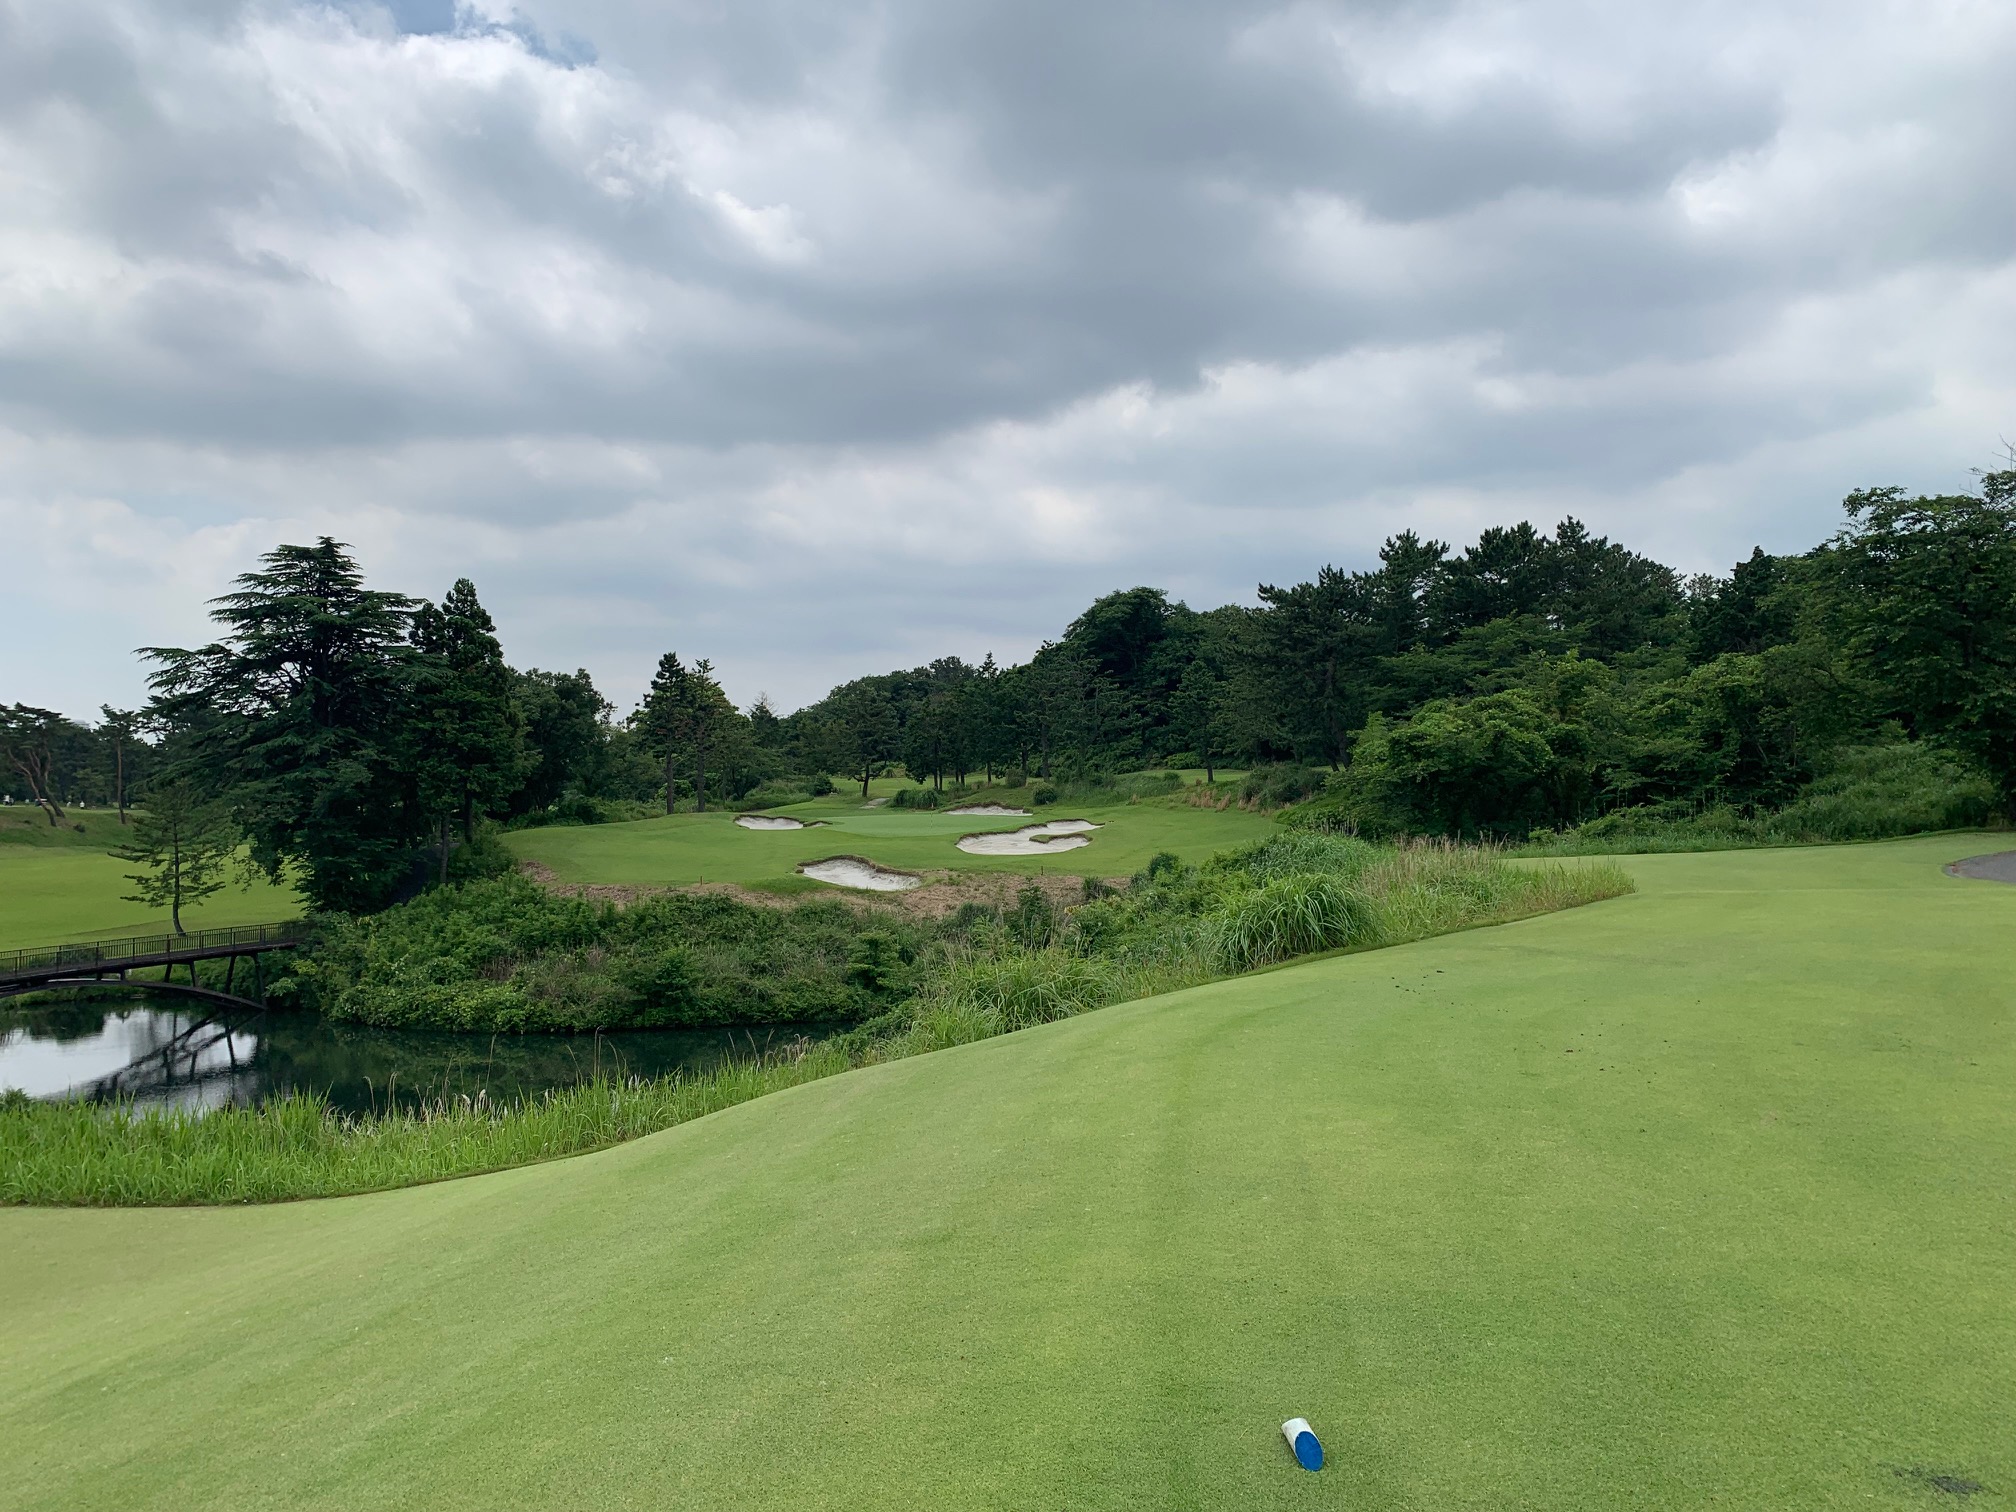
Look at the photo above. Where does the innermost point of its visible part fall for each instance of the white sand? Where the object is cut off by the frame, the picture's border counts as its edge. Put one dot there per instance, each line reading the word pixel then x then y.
pixel 991 810
pixel 852 871
pixel 1031 839
pixel 771 822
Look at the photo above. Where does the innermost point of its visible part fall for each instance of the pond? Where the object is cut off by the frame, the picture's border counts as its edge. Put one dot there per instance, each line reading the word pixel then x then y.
pixel 145 1047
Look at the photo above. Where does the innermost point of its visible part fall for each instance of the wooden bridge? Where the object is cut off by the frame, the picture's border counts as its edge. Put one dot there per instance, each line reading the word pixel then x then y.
pixel 100 961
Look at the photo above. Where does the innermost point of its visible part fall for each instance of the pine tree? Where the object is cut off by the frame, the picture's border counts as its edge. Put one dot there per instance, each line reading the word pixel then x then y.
pixel 658 721
pixel 466 729
pixel 182 844
pixel 297 718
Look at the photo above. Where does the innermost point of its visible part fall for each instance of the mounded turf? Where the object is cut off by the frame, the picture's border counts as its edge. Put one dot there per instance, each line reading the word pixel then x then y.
pixel 1701 1197
pixel 711 847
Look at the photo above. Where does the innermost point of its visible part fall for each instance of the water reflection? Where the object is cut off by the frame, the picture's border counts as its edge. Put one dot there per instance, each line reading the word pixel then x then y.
pixel 133 1045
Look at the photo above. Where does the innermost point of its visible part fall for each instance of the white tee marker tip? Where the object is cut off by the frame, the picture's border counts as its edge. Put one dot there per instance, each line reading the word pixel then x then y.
pixel 1302 1440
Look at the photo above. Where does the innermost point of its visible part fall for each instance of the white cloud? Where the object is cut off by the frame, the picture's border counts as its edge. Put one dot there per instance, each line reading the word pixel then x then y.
pixel 819 339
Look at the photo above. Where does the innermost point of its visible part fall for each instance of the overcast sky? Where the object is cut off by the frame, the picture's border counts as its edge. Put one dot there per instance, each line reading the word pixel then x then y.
pixel 822 337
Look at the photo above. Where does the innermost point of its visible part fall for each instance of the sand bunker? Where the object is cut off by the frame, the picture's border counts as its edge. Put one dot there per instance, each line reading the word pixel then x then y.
pixel 774 822
pixel 853 871
pixel 992 811
pixel 1031 839
pixel 1999 867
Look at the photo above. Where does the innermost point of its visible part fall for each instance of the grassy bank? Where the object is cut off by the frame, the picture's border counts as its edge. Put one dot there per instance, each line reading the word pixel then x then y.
pixel 1180 926
pixel 1695 1199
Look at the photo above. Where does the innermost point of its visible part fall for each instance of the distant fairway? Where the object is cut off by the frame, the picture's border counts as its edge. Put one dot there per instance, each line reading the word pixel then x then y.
pixel 711 847
pixel 53 893
pixel 1700 1197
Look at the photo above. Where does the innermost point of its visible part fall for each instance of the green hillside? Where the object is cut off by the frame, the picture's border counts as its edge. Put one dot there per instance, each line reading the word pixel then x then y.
pixel 1695 1198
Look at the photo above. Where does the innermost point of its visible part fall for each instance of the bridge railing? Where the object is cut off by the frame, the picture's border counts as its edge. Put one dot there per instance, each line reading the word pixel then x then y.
pixel 111 953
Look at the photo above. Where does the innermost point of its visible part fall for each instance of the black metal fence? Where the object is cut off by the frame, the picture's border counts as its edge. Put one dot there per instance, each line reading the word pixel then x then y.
pixel 110 955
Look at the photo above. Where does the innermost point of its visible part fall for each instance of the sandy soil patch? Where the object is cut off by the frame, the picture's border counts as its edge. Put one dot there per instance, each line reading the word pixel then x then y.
pixel 991 811
pixel 776 822
pixel 1031 840
pixel 939 895
pixel 860 873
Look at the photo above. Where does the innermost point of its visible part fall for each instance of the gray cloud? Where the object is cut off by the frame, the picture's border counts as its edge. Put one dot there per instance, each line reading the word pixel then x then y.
pixel 819 337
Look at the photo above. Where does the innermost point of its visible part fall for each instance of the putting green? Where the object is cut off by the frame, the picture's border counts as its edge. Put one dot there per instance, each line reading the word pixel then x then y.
pixel 1700 1197
pixel 711 847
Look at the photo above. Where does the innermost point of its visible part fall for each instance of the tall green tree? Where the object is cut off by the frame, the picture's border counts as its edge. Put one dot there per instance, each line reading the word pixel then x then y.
pixel 658 720
pixel 296 718
pixel 1316 644
pixel 466 729
pixel 567 736
pixel 686 716
pixel 30 740
pixel 862 730
pixel 1927 593
pixel 119 733
pixel 181 844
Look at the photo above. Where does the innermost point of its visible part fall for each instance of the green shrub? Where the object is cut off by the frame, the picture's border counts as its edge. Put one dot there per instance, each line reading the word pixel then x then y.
pixel 1877 792
pixel 1297 914
pixel 1043 793
pixel 1874 792
pixel 506 955
pixel 1315 852
pixel 1273 787
pixel 915 798
pixel 821 786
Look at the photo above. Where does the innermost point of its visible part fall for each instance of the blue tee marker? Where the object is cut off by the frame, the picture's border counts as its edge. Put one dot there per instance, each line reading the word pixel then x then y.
pixel 1302 1439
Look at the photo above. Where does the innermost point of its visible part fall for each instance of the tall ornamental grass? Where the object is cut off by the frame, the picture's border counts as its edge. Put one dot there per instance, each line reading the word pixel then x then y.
pixel 1294 915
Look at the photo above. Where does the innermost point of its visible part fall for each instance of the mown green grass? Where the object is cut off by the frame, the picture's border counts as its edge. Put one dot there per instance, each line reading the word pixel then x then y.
pixel 686 848
pixel 50 895
pixel 23 824
pixel 1696 1198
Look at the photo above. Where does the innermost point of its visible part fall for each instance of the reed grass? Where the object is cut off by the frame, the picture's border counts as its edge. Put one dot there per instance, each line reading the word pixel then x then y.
pixel 82 1154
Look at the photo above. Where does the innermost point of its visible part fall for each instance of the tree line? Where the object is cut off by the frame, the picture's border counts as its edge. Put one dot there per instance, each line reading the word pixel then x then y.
pixel 1531 679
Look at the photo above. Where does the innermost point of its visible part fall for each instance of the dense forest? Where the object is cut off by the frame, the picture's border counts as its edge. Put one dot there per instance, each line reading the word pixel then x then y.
pixel 1532 681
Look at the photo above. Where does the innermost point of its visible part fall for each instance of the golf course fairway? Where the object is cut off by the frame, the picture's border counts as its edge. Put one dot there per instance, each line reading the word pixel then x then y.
pixel 1700 1197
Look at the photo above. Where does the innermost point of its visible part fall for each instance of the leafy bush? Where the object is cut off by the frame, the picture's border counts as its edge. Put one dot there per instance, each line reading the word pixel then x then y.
pixel 578 808
pixel 1273 787
pixel 821 786
pixel 1044 793
pixel 1876 792
pixel 915 798
pixel 485 856
pixel 772 795
pixel 506 955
